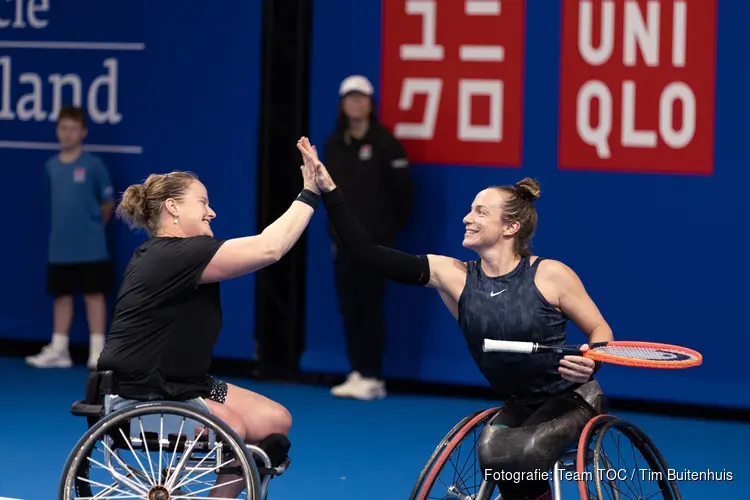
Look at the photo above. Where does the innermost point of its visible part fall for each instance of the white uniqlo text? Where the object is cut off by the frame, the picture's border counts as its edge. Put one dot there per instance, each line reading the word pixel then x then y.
pixel 641 34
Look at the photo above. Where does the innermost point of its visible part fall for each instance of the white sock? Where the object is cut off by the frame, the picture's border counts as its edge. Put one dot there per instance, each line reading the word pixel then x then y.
pixel 60 342
pixel 96 344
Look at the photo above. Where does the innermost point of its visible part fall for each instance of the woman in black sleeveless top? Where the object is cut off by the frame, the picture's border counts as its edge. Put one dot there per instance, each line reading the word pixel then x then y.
pixel 505 294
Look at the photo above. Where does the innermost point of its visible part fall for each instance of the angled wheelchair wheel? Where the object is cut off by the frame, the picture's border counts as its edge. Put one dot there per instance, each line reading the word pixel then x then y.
pixel 452 472
pixel 160 451
pixel 617 461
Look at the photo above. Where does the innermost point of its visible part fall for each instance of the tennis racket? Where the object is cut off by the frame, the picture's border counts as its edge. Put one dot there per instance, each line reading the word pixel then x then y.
pixel 638 354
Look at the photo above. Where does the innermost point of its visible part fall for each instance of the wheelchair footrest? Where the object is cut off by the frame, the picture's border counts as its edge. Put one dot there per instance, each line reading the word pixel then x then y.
pixel 273 471
pixel 82 409
pixel 277 448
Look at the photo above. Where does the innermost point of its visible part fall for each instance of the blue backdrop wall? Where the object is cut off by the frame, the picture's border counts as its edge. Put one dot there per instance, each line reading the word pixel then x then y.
pixel 653 234
pixel 165 89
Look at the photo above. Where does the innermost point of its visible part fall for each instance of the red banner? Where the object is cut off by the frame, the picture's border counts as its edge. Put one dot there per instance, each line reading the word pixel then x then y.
pixel 638 86
pixel 452 79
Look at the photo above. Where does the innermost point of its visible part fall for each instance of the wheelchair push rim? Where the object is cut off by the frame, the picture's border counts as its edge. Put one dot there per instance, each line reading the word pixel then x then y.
pixel 611 477
pixel 450 443
pixel 177 473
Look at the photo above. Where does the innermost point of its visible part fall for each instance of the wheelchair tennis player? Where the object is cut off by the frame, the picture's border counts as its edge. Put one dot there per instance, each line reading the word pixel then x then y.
pixel 505 294
pixel 167 316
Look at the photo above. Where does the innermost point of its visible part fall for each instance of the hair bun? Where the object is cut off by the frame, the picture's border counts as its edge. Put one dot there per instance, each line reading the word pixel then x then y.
pixel 528 188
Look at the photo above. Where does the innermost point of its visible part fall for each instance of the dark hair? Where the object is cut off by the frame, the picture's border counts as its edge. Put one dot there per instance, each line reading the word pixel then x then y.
pixel 519 207
pixel 141 204
pixel 73 113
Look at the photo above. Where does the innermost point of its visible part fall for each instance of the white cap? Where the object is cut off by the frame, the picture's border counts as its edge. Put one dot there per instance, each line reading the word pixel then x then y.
pixel 356 83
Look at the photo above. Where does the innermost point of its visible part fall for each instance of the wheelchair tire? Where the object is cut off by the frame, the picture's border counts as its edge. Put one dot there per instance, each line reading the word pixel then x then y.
pixel 443 451
pixel 593 434
pixel 77 461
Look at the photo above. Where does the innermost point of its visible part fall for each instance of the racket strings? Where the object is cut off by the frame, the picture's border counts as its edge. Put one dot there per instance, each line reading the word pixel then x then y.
pixel 646 353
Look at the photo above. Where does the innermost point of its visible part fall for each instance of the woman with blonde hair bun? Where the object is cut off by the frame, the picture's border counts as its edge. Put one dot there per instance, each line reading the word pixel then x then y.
pixel 168 315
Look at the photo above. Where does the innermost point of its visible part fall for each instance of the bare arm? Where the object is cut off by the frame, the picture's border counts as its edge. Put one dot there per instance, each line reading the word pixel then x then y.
pixel 573 300
pixel 242 256
pixel 565 287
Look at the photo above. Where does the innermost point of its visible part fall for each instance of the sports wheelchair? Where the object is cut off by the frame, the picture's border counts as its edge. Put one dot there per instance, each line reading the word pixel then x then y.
pixel 598 474
pixel 162 450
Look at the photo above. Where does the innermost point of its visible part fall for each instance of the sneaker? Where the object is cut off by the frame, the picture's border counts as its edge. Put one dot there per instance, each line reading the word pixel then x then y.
pixel 345 390
pixel 50 358
pixel 368 389
pixel 358 387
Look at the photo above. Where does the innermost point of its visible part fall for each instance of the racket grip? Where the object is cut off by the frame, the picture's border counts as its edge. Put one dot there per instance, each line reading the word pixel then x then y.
pixel 508 346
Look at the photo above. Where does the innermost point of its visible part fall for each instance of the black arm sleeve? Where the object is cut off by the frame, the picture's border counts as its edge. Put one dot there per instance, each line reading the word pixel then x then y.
pixel 357 245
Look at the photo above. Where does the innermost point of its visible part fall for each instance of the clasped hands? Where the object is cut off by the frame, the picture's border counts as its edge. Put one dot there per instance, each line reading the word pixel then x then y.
pixel 314 174
pixel 577 368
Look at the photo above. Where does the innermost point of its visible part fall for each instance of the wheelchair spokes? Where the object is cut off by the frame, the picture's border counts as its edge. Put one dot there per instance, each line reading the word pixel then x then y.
pixel 460 476
pixel 624 464
pixel 454 472
pixel 170 453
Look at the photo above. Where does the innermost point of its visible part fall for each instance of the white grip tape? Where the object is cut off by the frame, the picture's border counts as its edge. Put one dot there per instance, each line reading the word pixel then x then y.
pixel 508 346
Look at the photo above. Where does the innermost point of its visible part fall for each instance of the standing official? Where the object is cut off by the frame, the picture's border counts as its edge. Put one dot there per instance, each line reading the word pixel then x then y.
pixel 371 166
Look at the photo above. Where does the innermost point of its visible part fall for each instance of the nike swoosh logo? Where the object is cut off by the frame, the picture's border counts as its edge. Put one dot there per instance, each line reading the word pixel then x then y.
pixel 492 294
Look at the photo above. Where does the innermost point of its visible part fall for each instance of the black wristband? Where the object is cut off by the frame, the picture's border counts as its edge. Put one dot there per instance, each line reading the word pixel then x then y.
pixel 308 197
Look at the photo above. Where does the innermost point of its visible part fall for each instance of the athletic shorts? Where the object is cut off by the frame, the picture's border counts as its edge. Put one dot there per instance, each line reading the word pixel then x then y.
pixel 84 277
pixel 218 394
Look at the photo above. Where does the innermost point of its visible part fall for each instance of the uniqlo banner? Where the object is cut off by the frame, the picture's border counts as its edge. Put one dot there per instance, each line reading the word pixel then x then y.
pixel 638 86
pixel 452 79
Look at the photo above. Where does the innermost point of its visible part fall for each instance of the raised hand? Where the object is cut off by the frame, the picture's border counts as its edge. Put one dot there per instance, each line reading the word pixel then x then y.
pixel 310 156
pixel 309 173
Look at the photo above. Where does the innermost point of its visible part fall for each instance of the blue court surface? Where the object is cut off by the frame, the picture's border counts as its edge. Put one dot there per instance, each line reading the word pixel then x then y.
pixel 341 450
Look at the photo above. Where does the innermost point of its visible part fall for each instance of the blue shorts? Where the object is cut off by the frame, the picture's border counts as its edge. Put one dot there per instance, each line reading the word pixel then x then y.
pixel 218 393
pixel 117 403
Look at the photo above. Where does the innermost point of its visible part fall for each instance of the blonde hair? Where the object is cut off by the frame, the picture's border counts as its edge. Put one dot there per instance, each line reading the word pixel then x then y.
pixel 141 204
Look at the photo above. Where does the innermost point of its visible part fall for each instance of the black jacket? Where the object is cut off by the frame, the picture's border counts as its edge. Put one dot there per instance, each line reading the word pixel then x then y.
pixel 373 173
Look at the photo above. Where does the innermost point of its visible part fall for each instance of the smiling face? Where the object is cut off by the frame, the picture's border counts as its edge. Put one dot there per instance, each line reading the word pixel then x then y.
pixel 192 211
pixel 485 226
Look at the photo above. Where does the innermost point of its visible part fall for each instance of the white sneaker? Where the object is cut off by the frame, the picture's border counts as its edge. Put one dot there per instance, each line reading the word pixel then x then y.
pixel 357 387
pixel 368 389
pixel 346 389
pixel 50 358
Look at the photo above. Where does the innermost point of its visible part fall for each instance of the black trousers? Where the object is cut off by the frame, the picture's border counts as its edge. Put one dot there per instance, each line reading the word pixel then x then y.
pixel 361 295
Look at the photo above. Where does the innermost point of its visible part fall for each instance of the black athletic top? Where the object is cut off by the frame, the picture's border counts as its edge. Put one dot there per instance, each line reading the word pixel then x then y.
pixel 511 307
pixel 165 324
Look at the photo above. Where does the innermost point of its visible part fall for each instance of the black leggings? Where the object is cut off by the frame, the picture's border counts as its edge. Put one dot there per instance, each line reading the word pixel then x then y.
pixel 526 438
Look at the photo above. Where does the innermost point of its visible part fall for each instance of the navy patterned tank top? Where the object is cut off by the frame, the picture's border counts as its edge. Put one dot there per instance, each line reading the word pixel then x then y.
pixel 511 307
